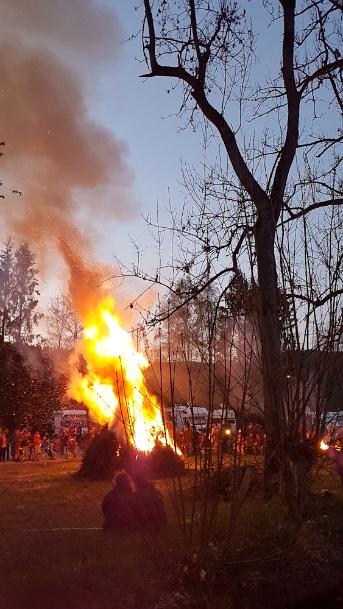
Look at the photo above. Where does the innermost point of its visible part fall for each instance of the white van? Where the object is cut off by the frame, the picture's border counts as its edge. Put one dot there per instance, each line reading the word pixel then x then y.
pixel 66 418
pixel 186 416
pixel 334 418
pixel 183 415
pixel 225 417
pixel 334 426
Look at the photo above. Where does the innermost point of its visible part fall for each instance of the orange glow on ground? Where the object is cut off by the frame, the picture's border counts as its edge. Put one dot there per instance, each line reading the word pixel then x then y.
pixel 113 384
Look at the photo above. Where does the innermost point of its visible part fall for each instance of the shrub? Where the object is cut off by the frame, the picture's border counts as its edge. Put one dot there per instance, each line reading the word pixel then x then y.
pixel 102 458
pixel 161 462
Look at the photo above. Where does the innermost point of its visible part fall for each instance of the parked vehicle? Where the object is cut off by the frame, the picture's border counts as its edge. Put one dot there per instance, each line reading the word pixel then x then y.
pixel 186 415
pixel 333 426
pixel 64 419
pixel 334 418
pixel 224 418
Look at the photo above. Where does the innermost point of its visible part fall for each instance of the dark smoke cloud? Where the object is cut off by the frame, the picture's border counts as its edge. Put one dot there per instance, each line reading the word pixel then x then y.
pixel 65 164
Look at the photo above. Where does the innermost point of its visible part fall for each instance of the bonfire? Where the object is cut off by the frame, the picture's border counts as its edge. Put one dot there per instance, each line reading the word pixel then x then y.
pixel 113 386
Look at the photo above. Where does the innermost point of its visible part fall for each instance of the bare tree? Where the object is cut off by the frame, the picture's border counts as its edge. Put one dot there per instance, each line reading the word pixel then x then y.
pixel 209 49
pixel 63 324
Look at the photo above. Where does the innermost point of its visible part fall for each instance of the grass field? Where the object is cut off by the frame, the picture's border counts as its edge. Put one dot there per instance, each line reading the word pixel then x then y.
pixel 54 554
pixel 53 551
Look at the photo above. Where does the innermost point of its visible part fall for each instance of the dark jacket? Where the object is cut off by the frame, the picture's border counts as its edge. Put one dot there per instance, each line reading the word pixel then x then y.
pixel 149 505
pixel 118 509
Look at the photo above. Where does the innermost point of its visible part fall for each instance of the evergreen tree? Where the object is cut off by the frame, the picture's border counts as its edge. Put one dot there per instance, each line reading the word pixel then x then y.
pixel 101 459
pixel 6 288
pixel 25 292
pixel 30 387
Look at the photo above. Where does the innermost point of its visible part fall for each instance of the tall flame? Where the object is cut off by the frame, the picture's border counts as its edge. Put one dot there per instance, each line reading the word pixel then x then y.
pixel 113 384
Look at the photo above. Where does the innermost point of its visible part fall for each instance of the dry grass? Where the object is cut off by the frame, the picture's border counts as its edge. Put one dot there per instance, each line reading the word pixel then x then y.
pixel 54 554
pixel 53 550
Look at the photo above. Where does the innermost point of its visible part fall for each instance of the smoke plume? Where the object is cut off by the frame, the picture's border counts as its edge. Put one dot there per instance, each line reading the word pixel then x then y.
pixel 70 169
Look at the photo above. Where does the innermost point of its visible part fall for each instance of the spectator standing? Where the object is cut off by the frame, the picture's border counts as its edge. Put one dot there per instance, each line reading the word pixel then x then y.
pixel 3 446
pixel 336 455
pixel 196 441
pixel 71 430
pixel 79 435
pixel 215 437
pixel 63 436
pixel 30 444
pixel 240 443
pixel 36 446
pixel 7 432
pixel 187 441
pixel 71 447
pixel 46 447
pixel 17 439
pixel 25 445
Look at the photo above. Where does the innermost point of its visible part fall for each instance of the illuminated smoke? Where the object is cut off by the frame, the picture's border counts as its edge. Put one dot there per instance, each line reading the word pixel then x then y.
pixel 72 171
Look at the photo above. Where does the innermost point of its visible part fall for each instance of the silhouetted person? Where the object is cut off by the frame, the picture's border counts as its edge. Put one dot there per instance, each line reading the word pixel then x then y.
pixel 118 505
pixel 336 455
pixel 46 448
pixel 8 444
pixel 149 508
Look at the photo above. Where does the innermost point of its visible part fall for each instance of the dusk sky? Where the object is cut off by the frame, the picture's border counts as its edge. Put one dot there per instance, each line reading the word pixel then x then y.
pixel 93 147
pixel 88 141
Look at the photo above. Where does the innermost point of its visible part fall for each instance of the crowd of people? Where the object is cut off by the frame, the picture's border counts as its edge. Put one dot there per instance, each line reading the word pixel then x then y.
pixel 25 445
pixel 133 505
pixel 22 445
pixel 222 439
pixel 67 441
pixel 252 441
pixel 333 441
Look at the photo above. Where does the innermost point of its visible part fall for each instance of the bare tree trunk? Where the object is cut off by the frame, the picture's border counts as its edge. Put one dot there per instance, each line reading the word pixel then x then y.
pixel 277 476
pixel 303 462
pixel 168 38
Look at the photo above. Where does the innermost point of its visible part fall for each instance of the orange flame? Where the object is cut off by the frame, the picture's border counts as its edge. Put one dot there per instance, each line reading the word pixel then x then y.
pixel 323 446
pixel 113 386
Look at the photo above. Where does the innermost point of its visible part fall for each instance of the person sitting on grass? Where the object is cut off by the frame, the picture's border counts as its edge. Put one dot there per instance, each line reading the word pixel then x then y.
pixel 148 503
pixel 118 505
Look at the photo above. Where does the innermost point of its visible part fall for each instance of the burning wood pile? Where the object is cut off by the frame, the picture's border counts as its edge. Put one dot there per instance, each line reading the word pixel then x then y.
pixel 112 384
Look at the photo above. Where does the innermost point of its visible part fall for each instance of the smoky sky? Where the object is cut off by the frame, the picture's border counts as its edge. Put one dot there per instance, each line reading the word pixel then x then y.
pixel 69 168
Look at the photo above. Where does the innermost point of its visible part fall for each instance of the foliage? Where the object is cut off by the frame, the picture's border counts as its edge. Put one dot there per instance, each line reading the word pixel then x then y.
pixel 30 388
pixel 6 287
pixel 18 292
pixel 104 457
pixel 187 333
pixel 101 459
pixel 161 462
pixel 223 480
